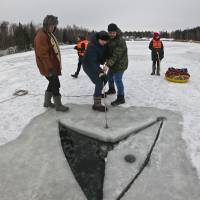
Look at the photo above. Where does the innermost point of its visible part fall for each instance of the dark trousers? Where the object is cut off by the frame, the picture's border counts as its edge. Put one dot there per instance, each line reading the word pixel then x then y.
pixel 54 85
pixel 117 79
pixel 93 74
pixel 156 66
pixel 80 60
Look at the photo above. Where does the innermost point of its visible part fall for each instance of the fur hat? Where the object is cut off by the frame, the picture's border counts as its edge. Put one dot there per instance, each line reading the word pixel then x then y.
pixel 112 27
pixel 50 20
pixel 103 35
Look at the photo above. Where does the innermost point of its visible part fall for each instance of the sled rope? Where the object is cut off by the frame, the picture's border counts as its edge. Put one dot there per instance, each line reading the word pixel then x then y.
pixel 16 94
pixel 20 93
pixel 5 100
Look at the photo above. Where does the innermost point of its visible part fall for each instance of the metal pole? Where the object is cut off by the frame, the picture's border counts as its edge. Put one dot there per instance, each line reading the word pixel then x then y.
pixel 104 101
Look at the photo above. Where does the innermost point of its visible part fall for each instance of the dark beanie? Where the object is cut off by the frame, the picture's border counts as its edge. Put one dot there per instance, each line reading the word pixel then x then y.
pixel 82 37
pixel 112 27
pixel 103 35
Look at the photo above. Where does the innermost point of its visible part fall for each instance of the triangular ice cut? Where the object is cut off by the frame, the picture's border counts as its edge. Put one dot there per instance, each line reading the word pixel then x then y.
pixel 88 158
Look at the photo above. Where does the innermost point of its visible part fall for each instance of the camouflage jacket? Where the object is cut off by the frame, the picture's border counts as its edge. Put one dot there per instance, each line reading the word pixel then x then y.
pixel 116 53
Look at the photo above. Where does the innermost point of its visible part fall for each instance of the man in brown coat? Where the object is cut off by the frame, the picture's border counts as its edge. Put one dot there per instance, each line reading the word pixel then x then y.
pixel 48 60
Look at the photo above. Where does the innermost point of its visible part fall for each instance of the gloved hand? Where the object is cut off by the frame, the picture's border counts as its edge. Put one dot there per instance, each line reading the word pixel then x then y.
pixel 105 68
pixel 103 77
pixel 52 73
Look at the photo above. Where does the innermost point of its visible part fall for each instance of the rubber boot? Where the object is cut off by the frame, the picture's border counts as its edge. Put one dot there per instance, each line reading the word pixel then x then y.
pixel 153 70
pixel 98 106
pixel 111 91
pixel 158 69
pixel 58 104
pixel 120 100
pixel 47 100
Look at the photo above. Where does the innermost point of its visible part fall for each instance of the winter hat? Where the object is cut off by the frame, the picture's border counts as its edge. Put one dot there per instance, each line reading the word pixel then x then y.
pixel 112 27
pixel 103 35
pixel 82 37
pixel 156 34
pixel 50 20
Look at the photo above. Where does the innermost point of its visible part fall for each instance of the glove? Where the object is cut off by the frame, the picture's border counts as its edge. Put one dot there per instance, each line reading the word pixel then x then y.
pixel 103 76
pixel 105 68
pixel 52 73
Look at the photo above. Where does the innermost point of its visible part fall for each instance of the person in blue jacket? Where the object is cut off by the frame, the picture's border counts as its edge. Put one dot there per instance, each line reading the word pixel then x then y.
pixel 94 57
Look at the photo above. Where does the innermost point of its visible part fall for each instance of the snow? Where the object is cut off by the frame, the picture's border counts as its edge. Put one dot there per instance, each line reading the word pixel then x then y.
pixel 140 145
pixel 19 71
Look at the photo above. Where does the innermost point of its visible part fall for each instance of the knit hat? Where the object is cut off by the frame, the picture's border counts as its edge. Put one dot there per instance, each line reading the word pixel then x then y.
pixel 103 35
pixel 50 20
pixel 112 27
pixel 81 36
pixel 156 34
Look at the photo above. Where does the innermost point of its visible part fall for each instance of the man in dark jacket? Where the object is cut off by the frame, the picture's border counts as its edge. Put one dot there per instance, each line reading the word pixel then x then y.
pixel 81 46
pixel 94 57
pixel 117 62
pixel 48 60
pixel 157 53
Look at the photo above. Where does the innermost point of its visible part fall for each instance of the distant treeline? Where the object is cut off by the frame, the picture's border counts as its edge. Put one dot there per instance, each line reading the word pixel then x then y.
pixel 184 35
pixel 21 36
pixel 144 34
pixel 188 34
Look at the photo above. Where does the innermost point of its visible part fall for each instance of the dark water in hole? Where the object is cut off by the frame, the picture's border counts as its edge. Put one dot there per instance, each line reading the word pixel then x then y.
pixel 85 156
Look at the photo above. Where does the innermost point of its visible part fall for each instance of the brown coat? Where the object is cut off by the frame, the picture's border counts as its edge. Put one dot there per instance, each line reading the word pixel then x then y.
pixel 45 56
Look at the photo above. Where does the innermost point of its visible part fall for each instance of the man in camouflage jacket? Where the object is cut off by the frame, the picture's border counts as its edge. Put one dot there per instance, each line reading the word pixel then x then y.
pixel 117 62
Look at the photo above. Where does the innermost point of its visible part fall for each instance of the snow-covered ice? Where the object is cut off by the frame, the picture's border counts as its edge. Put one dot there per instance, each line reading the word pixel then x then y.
pixel 19 71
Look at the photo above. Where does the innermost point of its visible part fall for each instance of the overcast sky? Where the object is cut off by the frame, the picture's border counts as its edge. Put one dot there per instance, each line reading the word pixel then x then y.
pixel 154 15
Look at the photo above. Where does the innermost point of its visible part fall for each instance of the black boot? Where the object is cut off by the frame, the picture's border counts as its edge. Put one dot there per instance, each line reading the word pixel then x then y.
pixel 120 100
pixel 98 106
pixel 58 104
pixel 111 91
pixel 158 69
pixel 74 75
pixel 152 73
pixel 153 70
pixel 47 100
pixel 103 95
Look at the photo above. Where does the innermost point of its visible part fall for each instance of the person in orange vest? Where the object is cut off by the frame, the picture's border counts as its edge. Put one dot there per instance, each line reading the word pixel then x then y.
pixel 157 53
pixel 81 48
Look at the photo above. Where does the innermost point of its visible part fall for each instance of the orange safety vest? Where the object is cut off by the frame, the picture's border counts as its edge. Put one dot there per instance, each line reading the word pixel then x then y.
pixel 79 44
pixel 156 44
